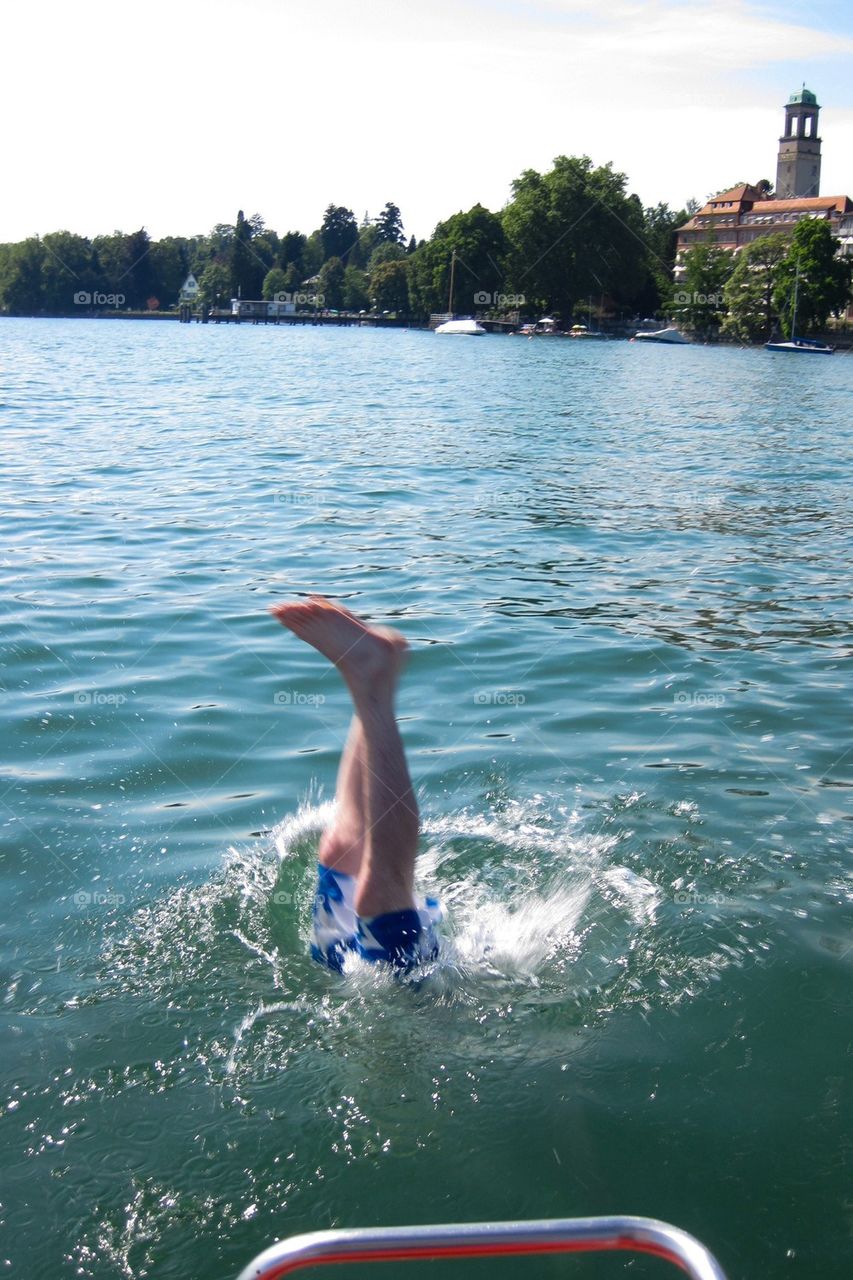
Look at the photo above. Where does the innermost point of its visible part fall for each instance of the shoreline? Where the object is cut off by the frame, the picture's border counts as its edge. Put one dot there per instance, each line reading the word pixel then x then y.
pixel 843 341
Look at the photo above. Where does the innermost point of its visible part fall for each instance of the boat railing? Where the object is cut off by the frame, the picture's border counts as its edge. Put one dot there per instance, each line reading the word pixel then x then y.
pixel 487 1239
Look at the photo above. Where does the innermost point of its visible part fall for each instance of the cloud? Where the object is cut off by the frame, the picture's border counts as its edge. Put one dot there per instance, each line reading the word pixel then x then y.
pixel 432 105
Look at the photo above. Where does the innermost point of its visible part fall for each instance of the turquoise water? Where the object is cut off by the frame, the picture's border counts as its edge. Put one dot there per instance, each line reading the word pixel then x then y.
pixel 623 572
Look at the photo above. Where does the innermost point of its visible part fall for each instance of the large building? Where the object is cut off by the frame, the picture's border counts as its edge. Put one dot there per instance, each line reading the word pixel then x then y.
pixel 734 218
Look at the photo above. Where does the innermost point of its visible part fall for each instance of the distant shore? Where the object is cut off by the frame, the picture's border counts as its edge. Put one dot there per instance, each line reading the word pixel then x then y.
pixel 843 341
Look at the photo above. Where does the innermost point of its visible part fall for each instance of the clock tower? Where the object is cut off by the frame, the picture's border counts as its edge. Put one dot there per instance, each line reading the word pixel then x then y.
pixel 798 165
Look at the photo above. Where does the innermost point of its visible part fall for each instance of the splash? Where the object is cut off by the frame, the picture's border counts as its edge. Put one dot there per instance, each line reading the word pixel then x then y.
pixel 540 914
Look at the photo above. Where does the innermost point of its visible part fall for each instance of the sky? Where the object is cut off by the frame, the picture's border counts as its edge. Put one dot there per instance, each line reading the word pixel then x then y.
pixel 175 114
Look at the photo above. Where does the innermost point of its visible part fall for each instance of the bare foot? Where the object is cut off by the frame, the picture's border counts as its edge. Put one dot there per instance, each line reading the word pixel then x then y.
pixel 366 656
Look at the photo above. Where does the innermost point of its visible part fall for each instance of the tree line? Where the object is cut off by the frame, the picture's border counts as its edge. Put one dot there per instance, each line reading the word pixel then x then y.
pixel 569 241
pixel 565 236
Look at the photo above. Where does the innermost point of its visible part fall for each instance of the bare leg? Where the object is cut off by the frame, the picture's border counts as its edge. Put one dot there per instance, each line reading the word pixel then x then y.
pixel 342 843
pixel 370 659
pixel 386 879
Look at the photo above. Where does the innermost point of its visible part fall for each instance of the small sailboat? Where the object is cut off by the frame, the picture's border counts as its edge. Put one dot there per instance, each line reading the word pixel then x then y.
pixel 467 327
pixel 803 346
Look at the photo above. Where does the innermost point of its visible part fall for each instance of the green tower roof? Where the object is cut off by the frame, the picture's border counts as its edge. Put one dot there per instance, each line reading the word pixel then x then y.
pixel 805 96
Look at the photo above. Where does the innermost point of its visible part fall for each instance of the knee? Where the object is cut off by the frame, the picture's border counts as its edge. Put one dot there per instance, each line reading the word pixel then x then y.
pixel 339 852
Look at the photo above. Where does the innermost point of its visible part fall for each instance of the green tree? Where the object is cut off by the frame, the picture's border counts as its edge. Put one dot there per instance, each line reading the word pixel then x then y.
pixel 749 290
pixel 389 225
pixel 170 266
pixel 294 277
pixel 275 282
pixel 574 232
pixel 125 266
pixel 699 299
pixel 247 269
pixel 219 240
pixel 478 239
pixel 5 267
pixel 355 290
pixel 292 249
pixel 22 282
pixel 823 286
pixel 331 284
pixel 312 255
pixel 389 286
pixel 138 282
pixel 338 233
pixel 660 224
pixel 68 269
pixel 386 251
pixel 215 284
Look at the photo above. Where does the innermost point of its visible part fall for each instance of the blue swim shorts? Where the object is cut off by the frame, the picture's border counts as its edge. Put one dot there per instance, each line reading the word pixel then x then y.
pixel 400 938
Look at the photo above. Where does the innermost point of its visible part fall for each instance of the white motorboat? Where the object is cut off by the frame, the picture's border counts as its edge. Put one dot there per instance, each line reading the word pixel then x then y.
pixel 670 335
pixel 469 327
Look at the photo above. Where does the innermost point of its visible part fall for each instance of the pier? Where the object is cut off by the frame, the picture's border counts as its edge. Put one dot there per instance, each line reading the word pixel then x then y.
pixel 260 313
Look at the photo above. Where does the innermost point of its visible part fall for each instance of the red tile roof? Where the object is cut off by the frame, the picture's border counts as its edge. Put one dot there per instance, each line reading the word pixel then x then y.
pixel 804 204
pixel 744 192
pixel 842 203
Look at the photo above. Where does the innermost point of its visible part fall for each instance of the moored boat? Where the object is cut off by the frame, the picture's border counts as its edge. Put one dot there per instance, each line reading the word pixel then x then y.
pixel 469 327
pixel 451 325
pixel 669 335
pixel 804 346
pixel 800 346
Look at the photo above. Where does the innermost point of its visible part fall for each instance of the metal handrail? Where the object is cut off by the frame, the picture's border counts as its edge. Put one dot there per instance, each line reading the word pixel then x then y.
pixel 487 1239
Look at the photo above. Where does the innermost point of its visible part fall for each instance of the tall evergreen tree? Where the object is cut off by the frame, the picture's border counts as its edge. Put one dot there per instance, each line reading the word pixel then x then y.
pixel 338 233
pixel 247 269
pixel 389 225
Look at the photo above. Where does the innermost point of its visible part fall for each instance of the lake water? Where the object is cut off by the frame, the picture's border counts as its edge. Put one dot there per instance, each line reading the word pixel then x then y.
pixel 624 575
